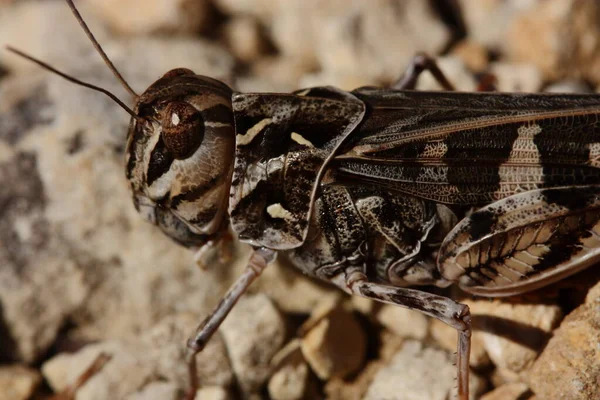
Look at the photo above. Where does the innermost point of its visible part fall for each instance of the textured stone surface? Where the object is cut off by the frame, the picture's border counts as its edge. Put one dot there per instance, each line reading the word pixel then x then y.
pixel 560 37
pixel 569 366
pixel 513 334
pixel 317 33
pixel 418 372
pixel 46 20
pixel 156 391
pixel 487 20
pixel 125 373
pixel 151 16
pixel 165 344
pixel 511 391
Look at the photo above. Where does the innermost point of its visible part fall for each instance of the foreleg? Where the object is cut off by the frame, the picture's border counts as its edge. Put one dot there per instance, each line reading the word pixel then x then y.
pixel 259 259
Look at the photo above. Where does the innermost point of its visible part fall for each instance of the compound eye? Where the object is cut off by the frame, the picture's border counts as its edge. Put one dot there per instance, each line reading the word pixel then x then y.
pixel 182 129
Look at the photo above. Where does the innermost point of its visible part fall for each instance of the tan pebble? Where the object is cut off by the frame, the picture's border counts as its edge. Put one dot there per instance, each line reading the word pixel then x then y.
pixel 18 382
pixel 245 39
pixel 124 374
pixel 292 379
pixel 473 54
pixel 213 393
pixel 254 332
pixel 516 77
pixel 157 391
pixel 333 343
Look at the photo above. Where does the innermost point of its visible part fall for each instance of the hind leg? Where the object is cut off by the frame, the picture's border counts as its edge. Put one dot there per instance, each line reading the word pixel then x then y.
pixel 419 64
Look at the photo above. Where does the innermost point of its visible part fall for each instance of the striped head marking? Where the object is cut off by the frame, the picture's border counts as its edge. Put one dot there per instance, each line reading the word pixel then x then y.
pixel 179 156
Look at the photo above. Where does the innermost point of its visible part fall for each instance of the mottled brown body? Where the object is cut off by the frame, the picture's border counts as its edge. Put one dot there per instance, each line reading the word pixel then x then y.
pixel 416 160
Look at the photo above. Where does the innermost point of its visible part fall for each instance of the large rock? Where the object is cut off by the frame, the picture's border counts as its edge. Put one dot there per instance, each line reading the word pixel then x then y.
pixel 569 366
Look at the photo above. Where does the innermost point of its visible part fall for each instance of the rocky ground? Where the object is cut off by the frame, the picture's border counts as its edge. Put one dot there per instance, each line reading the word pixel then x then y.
pixel 81 273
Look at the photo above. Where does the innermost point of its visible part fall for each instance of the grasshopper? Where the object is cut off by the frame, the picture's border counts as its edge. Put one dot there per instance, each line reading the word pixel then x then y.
pixel 375 190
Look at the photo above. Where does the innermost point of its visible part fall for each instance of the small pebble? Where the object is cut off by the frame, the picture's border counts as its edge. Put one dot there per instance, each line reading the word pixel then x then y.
pixel 292 378
pixel 418 372
pixel 334 343
pixel 18 382
pixel 253 332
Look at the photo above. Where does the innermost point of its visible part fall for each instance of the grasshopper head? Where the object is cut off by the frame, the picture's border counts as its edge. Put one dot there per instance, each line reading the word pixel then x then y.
pixel 179 156
pixel 180 148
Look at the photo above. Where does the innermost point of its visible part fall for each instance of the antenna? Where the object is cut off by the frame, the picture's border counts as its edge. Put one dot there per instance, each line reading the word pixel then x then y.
pixel 99 49
pixel 77 81
pixel 107 61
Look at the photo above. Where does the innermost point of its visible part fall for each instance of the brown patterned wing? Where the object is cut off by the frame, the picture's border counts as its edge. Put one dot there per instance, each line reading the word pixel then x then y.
pixel 472 148
pixel 524 242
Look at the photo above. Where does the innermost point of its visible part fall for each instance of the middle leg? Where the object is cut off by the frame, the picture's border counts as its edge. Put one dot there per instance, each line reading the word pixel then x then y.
pixel 454 314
